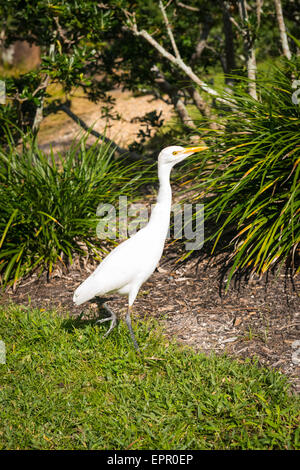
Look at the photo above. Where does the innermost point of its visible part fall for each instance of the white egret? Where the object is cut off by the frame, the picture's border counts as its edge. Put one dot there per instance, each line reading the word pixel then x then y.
pixel 132 262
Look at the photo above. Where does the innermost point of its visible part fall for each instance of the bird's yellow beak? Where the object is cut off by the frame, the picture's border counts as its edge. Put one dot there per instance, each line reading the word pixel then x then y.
pixel 200 148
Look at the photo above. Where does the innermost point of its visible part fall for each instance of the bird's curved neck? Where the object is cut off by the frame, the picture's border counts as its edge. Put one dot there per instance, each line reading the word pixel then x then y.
pixel 161 212
pixel 165 192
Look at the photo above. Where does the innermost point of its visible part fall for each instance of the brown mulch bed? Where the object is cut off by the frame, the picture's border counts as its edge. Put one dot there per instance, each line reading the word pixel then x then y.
pixel 259 319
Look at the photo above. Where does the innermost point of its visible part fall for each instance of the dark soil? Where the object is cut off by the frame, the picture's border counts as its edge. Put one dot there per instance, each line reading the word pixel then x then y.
pixel 258 319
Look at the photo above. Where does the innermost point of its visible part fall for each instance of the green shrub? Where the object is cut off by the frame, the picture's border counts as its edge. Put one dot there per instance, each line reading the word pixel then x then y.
pixel 251 176
pixel 48 203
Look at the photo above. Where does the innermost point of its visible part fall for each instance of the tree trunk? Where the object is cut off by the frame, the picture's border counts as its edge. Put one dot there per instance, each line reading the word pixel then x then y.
pixel 203 107
pixel 38 117
pixel 282 29
pixel 251 67
pixel 173 93
pixel 199 102
pixel 249 49
pixel 229 43
pixel 204 30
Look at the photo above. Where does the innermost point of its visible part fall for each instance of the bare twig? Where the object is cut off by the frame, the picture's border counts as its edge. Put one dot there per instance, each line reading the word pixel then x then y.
pixel 39 110
pixel 131 155
pixel 259 4
pixel 233 21
pixel 43 85
pixel 132 26
pixel 61 31
pixel 187 7
pixel 169 30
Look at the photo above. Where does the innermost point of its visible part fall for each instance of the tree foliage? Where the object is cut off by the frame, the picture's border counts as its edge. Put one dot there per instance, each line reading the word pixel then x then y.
pixel 92 45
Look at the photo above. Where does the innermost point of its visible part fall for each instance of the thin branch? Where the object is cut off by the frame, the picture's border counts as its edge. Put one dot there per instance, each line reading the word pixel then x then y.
pixel 187 7
pixel 39 110
pixel 61 31
pixel 177 61
pixel 132 26
pixel 169 30
pixel 43 85
pixel 131 155
pixel 236 25
pixel 259 4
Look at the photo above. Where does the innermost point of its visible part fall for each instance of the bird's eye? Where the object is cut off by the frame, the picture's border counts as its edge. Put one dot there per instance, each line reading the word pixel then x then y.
pixel 174 153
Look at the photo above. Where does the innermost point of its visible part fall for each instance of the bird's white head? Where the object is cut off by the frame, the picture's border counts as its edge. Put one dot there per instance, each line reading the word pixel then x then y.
pixel 175 154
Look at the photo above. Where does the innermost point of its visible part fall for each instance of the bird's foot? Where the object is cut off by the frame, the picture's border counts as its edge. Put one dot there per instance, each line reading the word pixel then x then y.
pixel 114 321
pixel 112 317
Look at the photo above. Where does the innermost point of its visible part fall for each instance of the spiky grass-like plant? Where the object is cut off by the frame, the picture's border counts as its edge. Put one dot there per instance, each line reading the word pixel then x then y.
pixel 250 179
pixel 48 203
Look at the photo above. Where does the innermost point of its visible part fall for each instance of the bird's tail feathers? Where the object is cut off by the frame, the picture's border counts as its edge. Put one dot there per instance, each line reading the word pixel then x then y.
pixel 86 291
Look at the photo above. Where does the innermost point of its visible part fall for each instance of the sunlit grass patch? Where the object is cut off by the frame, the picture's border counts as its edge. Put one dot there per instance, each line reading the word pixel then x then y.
pixel 65 387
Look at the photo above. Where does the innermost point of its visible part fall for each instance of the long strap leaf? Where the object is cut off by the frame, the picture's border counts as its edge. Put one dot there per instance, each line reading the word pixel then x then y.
pixel 13 215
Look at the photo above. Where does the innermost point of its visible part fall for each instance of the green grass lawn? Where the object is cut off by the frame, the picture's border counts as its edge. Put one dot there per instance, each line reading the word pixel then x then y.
pixel 65 387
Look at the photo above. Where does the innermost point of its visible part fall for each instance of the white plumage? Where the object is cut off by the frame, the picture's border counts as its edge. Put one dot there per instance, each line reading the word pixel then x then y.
pixel 131 263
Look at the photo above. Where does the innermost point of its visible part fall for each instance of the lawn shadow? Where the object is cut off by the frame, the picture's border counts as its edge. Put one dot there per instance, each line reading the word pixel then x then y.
pixel 87 316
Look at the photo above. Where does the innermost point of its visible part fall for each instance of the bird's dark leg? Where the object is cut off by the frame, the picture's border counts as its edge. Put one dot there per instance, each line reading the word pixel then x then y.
pixel 113 318
pixel 128 322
